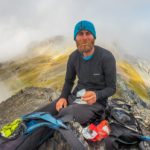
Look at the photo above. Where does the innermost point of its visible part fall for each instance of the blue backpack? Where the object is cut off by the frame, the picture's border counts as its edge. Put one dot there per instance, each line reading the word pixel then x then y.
pixel 36 128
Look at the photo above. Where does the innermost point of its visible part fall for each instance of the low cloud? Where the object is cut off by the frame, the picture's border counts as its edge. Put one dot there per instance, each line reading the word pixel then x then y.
pixel 125 22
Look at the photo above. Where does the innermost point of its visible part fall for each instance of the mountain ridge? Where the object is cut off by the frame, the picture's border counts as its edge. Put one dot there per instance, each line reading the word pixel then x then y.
pixel 44 66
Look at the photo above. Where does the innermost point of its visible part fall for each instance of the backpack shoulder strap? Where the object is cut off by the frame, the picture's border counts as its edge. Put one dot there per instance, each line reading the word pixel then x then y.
pixel 49 121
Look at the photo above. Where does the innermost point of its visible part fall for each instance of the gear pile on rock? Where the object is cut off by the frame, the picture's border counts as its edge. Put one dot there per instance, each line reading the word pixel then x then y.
pixel 32 98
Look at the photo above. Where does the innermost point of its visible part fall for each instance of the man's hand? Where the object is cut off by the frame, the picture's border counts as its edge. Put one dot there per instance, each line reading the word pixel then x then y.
pixel 89 97
pixel 62 102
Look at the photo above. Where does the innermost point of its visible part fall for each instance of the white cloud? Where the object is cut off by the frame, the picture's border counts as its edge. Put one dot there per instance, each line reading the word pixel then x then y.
pixel 126 22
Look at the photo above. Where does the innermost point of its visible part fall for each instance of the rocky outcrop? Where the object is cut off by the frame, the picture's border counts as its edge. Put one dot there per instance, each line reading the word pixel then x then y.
pixel 32 98
pixel 140 108
pixel 25 101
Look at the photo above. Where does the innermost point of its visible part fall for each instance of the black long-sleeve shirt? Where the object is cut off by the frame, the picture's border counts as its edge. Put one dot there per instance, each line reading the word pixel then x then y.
pixel 97 74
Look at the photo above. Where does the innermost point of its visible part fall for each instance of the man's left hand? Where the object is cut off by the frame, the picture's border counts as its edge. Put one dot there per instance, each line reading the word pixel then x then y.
pixel 89 97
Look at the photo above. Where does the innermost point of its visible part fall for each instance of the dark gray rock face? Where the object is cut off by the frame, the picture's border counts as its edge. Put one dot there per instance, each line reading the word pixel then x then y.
pixel 24 102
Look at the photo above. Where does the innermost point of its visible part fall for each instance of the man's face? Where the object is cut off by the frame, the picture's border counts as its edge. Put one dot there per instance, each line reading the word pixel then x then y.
pixel 84 41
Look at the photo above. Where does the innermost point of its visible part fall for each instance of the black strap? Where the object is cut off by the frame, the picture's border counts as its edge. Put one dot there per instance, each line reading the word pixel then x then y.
pixel 69 136
pixel 72 140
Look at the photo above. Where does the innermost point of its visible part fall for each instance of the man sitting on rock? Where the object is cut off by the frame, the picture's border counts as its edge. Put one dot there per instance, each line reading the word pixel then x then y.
pixel 95 68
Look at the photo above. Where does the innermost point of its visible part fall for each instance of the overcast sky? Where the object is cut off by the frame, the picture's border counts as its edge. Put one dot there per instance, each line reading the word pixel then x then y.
pixel 125 22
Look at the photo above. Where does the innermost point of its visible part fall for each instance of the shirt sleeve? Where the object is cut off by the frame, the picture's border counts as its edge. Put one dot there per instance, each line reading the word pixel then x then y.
pixel 69 79
pixel 109 69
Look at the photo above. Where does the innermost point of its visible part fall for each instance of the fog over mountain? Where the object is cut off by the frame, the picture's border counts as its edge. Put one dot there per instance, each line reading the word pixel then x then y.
pixel 126 23
pixel 44 65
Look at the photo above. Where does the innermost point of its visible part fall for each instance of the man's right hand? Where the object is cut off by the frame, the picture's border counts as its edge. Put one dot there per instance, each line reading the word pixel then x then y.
pixel 62 103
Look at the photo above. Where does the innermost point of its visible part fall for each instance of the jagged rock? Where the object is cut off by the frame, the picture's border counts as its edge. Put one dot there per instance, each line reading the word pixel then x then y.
pixel 32 98
pixel 25 101
pixel 139 107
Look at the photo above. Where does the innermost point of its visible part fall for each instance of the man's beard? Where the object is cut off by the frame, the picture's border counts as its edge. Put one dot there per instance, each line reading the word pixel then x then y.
pixel 85 47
